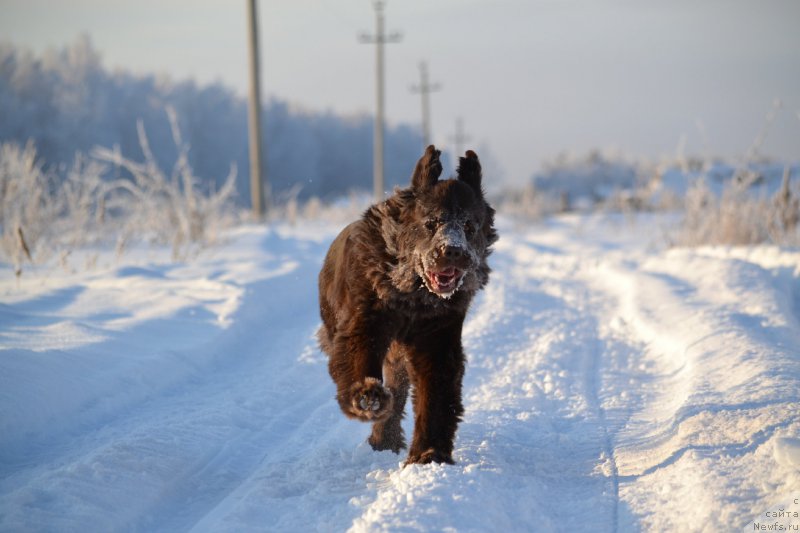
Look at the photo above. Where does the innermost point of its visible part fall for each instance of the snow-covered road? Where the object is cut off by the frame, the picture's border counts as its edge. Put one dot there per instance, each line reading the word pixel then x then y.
pixel 612 385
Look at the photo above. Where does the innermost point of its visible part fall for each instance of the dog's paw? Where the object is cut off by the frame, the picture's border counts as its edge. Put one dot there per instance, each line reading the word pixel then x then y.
pixel 387 436
pixel 394 445
pixel 431 455
pixel 370 400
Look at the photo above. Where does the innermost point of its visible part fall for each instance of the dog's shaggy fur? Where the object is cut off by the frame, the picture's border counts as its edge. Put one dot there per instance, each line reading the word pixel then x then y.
pixel 394 290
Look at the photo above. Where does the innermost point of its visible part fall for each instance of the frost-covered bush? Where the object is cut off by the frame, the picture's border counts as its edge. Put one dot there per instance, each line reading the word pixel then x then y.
pixel 530 202
pixel 106 198
pixel 172 209
pixel 582 183
pixel 753 202
pixel 29 207
pixel 740 215
pixel 290 208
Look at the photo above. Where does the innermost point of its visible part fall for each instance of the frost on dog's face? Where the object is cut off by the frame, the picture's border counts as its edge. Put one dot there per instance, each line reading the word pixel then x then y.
pixel 441 232
pixel 449 247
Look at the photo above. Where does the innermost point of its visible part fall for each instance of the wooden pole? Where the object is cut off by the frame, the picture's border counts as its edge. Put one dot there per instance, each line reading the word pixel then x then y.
pixel 460 138
pixel 377 170
pixel 379 39
pixel 257 177
pixel 425 87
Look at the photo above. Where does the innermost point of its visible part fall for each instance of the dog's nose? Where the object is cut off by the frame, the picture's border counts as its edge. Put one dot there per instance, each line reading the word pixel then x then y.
pixel 452 252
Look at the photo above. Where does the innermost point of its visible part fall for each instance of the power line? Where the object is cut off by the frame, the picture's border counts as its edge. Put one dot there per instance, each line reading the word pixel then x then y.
pixel 424 89
pixel 379 39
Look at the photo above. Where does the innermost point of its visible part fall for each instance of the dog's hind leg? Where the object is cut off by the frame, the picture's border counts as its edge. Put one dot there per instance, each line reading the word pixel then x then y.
pixel 388 434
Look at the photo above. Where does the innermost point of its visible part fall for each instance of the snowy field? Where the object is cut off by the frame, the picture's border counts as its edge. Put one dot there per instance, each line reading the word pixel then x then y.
pixel 613 385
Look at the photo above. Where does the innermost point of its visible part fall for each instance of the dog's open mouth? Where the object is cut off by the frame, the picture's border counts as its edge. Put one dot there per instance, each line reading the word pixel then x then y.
pixel 445 281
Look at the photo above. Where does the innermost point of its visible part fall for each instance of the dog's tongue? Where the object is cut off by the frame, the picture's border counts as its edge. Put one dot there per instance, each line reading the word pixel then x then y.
pixel 445 277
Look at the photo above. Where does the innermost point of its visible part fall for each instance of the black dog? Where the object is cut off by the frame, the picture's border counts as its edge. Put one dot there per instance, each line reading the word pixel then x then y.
pixel 394 291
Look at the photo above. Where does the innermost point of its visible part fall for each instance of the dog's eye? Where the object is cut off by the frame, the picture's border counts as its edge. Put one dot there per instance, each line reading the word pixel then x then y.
pixel 469 229
pixel 431 224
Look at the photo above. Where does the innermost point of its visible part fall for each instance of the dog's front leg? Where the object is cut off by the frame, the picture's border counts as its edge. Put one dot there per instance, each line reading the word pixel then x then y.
pixel 356 367
pixel 437 369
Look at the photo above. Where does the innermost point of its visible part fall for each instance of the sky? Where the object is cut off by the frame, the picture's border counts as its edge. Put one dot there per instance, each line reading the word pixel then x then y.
pixel 529 78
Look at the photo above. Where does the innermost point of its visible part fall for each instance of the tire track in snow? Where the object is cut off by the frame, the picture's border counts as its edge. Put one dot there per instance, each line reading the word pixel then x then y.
pixel 276 469
pixel 708 378
pixel 192 446
pixel 677 339
pixel 609 467
pixel 563 270
pixel 731 450
pixel 566 316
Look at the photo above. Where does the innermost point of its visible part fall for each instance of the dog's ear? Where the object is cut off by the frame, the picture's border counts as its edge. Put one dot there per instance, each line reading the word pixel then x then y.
pixel 428 170
pixel 469 170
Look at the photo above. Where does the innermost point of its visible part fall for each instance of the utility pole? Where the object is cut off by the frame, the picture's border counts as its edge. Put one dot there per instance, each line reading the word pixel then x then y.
pixel 460 138
pixel 379 39
pixel 257 197
pixel 424 89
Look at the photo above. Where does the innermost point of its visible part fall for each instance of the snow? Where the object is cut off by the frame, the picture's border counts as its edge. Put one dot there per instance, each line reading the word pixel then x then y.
pixel 613 384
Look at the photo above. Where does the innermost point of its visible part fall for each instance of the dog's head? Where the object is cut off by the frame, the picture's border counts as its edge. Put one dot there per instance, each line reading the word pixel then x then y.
pixel 448 228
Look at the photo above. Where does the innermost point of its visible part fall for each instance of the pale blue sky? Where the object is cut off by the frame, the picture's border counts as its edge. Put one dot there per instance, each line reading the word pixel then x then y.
pixel 530 78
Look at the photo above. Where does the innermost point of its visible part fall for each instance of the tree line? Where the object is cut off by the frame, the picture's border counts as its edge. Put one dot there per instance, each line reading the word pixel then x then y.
pixel 66 102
